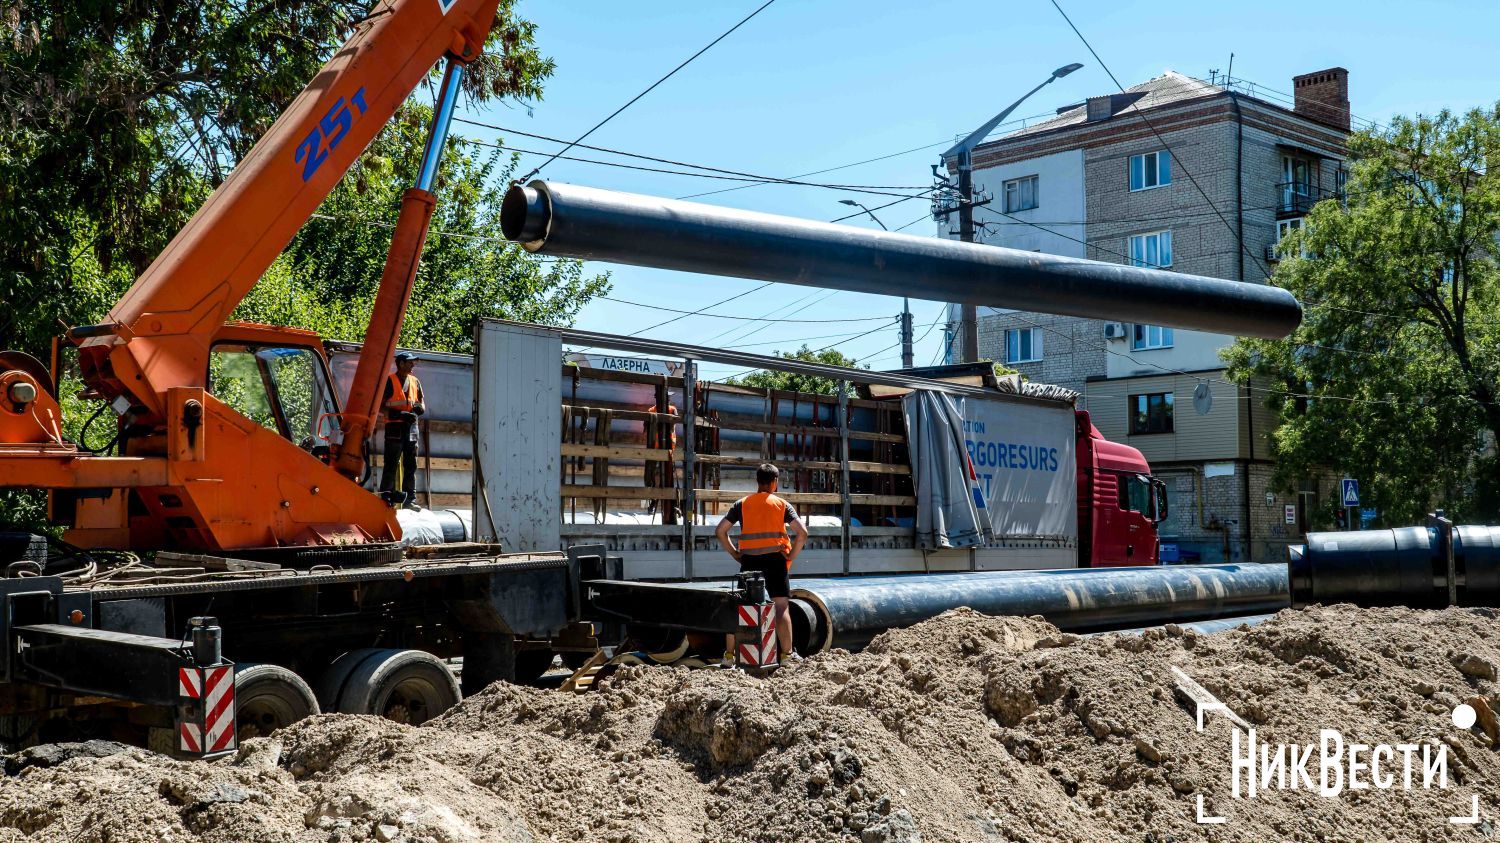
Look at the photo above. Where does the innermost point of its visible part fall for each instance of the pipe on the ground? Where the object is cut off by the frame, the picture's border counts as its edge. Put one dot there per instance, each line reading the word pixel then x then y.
pixel 583 222
pixel 1403 566
pixel 848 612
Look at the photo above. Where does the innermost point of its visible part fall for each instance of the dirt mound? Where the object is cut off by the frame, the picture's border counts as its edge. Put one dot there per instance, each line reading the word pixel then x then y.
pixel 965 728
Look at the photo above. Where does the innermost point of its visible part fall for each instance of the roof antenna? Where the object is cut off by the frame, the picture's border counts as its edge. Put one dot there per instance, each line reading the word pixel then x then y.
pixel 1229 77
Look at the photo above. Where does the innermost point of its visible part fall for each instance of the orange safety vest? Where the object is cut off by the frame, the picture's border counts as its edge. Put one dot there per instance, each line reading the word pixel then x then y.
pixel 763 525
pixel 671 408
pixel 411 392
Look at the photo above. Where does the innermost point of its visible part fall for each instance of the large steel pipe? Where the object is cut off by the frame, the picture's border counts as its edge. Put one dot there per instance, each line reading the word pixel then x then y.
pixel 848 612
pixel 583 222
pixel 1404 566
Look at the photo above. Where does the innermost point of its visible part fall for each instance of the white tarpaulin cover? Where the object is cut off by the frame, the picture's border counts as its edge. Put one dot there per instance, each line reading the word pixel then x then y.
pixel 947 511
pixel 1024 459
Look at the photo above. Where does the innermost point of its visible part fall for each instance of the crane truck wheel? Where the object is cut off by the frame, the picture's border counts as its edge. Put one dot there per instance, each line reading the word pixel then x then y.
pixel 269 697
pixel 407 686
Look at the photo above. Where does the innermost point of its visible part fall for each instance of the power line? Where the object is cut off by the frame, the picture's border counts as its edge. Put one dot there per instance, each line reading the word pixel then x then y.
pixel 649 89
pixel 818 350
pixel 741 318
pixel 753 179
pixel 744 175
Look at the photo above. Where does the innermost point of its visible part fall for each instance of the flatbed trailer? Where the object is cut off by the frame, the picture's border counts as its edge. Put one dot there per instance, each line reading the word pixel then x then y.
pixel 189 661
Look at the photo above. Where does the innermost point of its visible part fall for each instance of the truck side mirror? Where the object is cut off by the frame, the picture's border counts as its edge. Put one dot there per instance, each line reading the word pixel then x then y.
pixel 1161 499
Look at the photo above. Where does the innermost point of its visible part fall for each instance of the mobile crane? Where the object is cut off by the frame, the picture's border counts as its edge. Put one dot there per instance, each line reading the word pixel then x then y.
pixel 266 545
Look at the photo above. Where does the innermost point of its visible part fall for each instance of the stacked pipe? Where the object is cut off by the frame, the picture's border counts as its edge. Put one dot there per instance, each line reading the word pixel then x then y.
pixel 847 612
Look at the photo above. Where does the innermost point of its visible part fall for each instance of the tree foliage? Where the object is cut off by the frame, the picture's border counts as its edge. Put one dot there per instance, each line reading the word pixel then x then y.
pixel 118 118
pixel 1392 376
pixel 794 382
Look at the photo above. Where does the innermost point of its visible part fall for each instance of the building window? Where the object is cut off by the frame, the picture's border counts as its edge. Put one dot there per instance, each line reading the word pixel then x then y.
pixel 1151 413
pixel 1154 169
pixel 1154 249
pixel 1147 337
pixel 1285 227
pixel 1023 345
pixel 1021 194
pixel 1296 185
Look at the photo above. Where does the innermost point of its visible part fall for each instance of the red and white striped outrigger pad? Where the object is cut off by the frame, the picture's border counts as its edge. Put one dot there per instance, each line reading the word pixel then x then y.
pixel 757 623
pixel 209 694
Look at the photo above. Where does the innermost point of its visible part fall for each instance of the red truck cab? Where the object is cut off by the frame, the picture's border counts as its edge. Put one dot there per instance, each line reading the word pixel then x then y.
pixel 1119 502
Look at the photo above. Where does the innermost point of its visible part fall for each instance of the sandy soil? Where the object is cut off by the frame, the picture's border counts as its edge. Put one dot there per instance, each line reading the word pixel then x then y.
pixel 963 728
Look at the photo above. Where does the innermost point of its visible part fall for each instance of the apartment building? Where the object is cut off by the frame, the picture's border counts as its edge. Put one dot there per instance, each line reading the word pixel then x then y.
pixel 1202 177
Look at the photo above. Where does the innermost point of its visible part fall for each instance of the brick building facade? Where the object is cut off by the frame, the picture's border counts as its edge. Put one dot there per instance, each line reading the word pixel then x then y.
pixel 1196 177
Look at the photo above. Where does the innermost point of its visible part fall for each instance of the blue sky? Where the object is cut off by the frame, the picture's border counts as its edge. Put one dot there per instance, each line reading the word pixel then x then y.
pixel 810 85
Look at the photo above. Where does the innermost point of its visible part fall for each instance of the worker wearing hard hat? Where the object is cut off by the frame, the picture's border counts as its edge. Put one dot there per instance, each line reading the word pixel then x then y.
pixel 403 403
pixel 765 548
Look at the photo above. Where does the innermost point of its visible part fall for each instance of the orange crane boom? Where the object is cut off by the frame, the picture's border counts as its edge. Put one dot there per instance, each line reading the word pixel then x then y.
pixel 193 471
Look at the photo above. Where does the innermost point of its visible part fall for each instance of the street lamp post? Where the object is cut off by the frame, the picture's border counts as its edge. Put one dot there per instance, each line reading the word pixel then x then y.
pixel 906 332
pixel 962 151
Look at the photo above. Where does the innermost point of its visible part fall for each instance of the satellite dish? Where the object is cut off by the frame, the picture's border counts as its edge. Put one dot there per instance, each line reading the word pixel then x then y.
pixel 1203 398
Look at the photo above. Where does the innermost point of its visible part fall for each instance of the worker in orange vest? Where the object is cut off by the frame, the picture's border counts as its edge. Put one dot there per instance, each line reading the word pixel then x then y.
pixel 765 548
pixel 403 404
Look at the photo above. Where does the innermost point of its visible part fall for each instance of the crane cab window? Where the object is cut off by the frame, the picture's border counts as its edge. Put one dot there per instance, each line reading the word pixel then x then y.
pixel 284 389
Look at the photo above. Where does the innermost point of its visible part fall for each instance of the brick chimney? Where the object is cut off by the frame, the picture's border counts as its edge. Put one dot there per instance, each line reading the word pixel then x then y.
pixel 1323 96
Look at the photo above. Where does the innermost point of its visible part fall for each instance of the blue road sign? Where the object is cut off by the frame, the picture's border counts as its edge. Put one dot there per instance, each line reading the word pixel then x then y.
pixel 1351 491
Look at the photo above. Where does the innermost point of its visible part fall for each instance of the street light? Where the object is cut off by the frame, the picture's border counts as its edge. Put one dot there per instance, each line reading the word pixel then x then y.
pixel 969 320
pixel 906 341
pixel 853 204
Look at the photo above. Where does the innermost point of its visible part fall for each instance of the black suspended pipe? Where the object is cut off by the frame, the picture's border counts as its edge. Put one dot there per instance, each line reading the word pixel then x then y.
pixel 583 222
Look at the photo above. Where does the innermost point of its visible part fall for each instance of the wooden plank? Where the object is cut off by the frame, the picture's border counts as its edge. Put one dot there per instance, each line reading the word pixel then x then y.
pixel 620 493
pixel 616 452
pixel 445 426
pixel 443 500
pixel 450 464
pixel 631 493
pixel 619 414
pixel 724 496
pixel 174 559
pixel 739 423
pixel 814 465
pixel 1197 696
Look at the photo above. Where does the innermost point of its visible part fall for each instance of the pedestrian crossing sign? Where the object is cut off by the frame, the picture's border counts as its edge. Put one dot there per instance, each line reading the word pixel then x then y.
pixel 1351 492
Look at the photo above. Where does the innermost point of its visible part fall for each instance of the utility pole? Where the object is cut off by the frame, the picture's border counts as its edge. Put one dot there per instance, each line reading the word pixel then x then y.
pixel 906 331
pixel 968 320
pixel 961 155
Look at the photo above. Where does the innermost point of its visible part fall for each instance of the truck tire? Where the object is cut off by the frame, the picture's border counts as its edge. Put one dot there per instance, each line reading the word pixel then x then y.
pixel 269 697
pixel 407 686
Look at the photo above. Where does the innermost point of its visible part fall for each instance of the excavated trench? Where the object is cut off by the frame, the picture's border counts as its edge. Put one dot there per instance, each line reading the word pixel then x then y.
pixel 964 727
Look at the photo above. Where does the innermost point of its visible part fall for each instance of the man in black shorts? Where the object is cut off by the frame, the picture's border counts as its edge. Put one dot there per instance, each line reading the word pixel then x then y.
pixel 765 548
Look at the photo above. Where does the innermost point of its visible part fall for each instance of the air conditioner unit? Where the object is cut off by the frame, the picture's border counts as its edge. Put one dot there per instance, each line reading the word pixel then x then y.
pixel 1114 330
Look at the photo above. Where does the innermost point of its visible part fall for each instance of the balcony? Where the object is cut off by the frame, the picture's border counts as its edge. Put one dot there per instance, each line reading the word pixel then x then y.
pixel 1295 199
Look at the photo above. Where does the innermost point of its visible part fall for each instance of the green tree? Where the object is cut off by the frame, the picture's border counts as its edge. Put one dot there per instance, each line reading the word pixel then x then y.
pixel 794 382
pixel 117 119
pixel 1392 376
